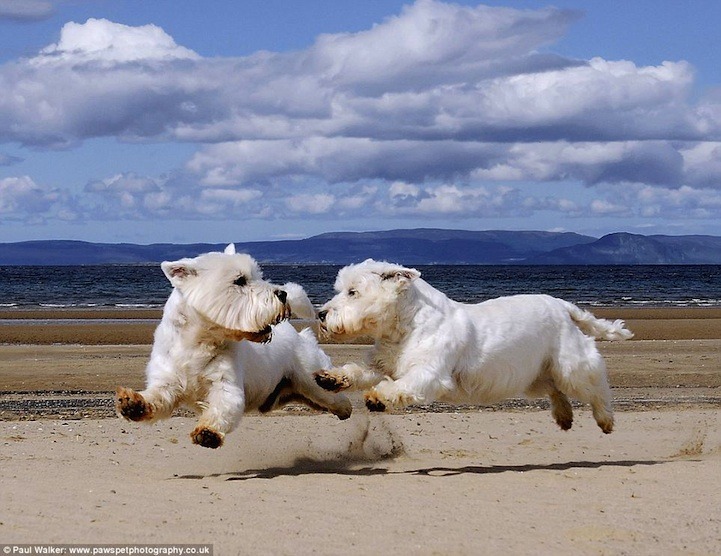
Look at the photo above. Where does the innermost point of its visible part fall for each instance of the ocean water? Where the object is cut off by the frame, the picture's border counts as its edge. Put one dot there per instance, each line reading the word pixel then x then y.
pixel 145 286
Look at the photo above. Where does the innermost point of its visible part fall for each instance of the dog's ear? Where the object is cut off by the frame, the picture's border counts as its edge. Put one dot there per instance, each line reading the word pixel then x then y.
pixel 401 275
pixel 179 271
pixel 230 249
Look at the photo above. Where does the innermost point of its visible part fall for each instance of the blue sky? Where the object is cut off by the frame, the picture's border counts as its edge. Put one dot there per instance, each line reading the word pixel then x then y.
pixel 222 121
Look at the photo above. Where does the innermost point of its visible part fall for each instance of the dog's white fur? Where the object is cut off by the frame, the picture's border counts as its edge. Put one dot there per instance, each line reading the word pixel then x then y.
pixel 429 347
pixel 202 354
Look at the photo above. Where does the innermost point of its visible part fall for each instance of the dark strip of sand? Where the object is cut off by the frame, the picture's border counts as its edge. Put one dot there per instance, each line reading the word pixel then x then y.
pixel 128 327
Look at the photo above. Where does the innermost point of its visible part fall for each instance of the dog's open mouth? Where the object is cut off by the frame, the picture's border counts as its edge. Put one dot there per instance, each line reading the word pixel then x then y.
pixel 261 336
pixel 323 330
pixel 264 335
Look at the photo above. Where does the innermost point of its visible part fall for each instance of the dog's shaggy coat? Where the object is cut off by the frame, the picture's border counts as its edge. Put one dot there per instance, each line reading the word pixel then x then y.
pixel 429 347
pixel 203 356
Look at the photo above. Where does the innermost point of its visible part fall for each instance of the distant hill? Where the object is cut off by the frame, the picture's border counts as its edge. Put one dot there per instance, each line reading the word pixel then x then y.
pixel 624 248
pixel 412 247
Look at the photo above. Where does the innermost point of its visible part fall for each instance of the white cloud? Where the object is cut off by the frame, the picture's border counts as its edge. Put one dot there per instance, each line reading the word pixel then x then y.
pixel 232 197
pixel 336 160
pixel 440 110
pixel 129 196
pixel 702 164
pixel 305 203
pixel 605 208
pixel 23 199
pixel 435 72
pixel 684 202
pixel 432 43
pixel 102 41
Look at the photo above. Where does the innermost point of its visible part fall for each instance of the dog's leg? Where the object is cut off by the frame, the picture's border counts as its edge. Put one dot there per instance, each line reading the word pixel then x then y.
pixel 281 390
pixel 351 376
pixel 155 402
pixel 222 410
pixel 305 384
pixel 544 385
pixel 561 409
pixel 601 406
pixel 604 415
pixel 587 382
pixel 388 394
pixel 598 395
pixel 132 405
pixel 420 386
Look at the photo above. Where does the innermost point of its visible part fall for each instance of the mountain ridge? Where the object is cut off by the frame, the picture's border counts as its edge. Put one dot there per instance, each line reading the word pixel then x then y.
pixel 407 246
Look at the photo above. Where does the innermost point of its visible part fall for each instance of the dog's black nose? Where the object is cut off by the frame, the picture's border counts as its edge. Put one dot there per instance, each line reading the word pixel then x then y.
pixel 282 295
pixel 322 315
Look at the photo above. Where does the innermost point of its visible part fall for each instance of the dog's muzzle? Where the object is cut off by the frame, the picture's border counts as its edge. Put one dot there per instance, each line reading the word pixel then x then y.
pixel 264 335
pixel 282 295
pixel 322 324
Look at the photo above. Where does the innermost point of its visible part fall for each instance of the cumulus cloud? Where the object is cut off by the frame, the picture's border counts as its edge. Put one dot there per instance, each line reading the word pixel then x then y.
pixel 438 110
pixel 431 43
pixel 23 199
pixel 682 203
pixel 339 159
pixel 434 72
pixel 103 42
pixel 134 197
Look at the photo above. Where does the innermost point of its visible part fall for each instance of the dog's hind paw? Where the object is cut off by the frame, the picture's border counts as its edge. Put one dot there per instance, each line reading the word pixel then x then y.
pixel 208 438
pixel 331 382
pixel 373 403
pixel 131 405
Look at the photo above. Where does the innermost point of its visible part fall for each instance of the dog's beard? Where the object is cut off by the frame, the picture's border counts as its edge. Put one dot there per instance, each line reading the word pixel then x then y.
pixel 242 317
pixel 338 326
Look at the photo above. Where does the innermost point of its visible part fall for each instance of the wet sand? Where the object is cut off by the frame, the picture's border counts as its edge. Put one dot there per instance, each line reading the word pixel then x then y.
pixel 430 480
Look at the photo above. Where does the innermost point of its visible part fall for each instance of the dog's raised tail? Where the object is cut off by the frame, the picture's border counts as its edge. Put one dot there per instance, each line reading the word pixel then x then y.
pixel 601 329
pixel 300 305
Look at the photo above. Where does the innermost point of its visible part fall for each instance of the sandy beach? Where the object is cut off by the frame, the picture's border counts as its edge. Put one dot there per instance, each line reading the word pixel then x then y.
pixel 429 480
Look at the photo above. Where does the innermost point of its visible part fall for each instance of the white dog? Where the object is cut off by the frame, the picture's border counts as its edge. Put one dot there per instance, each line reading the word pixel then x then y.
pixel 199 359
pixel 429 347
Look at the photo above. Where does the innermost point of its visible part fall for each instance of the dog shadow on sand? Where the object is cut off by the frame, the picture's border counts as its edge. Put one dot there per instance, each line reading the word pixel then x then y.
pixel 366 452
pixel 349 467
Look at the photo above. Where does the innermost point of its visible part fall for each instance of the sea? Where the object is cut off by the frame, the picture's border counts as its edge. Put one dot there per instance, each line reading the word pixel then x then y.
pixel 143 286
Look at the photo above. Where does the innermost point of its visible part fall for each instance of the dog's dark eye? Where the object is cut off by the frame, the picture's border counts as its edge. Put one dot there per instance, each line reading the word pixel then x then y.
pixel 352 293
pixel 240 281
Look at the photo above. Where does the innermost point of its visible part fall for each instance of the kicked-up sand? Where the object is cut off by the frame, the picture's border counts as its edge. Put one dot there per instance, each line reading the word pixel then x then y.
pixel 429 480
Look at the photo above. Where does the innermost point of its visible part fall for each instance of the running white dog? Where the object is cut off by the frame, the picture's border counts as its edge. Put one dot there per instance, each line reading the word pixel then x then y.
pixel 199 359
pixel 429 347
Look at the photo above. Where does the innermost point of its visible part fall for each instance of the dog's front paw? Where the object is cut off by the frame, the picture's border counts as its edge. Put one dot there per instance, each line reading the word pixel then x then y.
pixel 374 403
pixel 131 405
pixel 331 382
pixel 208 438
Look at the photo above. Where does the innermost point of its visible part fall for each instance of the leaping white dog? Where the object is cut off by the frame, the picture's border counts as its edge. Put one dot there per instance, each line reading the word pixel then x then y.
pixel 429 347
pixel 199 358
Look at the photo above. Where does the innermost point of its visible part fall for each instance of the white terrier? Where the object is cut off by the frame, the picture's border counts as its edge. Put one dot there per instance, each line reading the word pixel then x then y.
pixel 199 359
pixel 429 347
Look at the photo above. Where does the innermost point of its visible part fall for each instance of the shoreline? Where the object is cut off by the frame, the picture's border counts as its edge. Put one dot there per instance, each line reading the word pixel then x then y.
pixel 136 326
pixel 131 313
